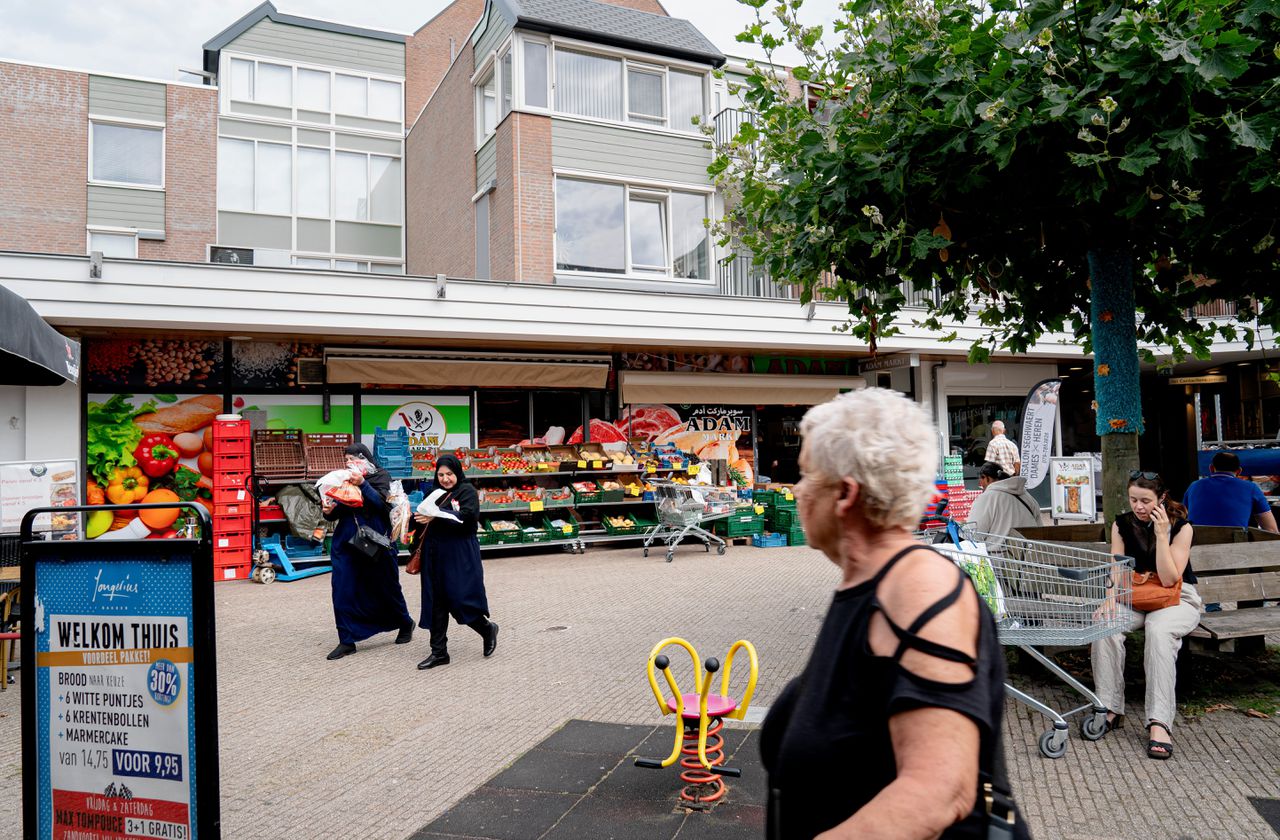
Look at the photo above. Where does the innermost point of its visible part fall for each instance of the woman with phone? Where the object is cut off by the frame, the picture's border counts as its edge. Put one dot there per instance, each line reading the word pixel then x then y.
pixel 1156 534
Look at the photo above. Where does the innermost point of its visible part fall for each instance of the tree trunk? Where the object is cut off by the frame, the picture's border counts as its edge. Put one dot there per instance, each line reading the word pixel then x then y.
pixel 1115 372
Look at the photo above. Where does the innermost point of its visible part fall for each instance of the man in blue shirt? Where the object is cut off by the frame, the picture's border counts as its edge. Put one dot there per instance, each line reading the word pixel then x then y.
pixel 1223 498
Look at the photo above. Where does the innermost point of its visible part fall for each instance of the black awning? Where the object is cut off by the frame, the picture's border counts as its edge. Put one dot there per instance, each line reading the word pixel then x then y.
pixel 31 351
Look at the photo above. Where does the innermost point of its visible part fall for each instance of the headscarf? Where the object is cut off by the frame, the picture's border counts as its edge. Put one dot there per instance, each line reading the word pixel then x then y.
pixel 379 479
pixel 462 489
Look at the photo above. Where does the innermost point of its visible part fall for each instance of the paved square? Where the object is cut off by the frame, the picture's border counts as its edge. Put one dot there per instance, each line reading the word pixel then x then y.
pixel 369 747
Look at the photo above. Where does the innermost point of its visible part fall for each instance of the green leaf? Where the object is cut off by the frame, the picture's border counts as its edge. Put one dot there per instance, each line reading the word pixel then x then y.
pixel 1139 161
pixel 1247 134
pixel 165 398
pixel 1226 64
pixel 979 355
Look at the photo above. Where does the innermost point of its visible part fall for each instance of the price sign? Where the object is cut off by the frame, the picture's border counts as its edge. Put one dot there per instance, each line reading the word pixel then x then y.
pixel 633 489
pixel 568 529
pixel 789 496
pixel 582 465
pixel 535 506
pixel 759 509
pixel 694 469
pixel 650 468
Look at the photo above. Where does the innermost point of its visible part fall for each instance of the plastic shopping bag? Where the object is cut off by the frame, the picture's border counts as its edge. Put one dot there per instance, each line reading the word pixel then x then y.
pixel 973 559
pixel 337 485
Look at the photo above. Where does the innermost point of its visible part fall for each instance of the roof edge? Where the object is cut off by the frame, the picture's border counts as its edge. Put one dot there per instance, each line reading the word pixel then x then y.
pixel 267 11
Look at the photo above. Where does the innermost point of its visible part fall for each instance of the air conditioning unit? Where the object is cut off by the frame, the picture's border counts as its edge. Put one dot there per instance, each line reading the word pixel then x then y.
pixel 310 371
pixel 230 256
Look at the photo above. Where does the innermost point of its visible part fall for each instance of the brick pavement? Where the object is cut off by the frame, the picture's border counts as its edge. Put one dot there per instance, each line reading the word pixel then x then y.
pixel 369 747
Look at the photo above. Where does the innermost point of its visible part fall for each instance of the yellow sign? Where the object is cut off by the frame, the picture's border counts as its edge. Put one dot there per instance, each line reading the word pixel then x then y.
pixel 693 469
pixel 650 468
pixel 568 529
pixel 582 465
pixel 787 494
pixel 596 465
pixel 759 509
pixel 633 489
pixel 535 506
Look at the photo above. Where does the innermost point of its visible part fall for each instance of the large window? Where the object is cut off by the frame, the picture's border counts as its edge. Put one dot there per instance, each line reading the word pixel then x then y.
pixel 486 106
pixel 367 188
pixel 618 89
pixel 313 183
pixel 620 229
pixel 588 85
pixel 313 90
pixel 255 177
pixel 262 82
pixel 360 97
pixel 114 244
pixel 127 154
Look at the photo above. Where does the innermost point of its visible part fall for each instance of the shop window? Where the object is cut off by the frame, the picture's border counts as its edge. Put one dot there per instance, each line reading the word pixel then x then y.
pixel 127 154
pixel 969 420
pixel 502 418
pixel 557 410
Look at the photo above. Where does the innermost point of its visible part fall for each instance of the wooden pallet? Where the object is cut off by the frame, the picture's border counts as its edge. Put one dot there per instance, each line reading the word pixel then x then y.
pixel 738 540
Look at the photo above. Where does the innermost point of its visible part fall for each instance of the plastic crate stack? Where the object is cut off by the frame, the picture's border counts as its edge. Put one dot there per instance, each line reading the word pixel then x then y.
pixel 232 501
pixel 391 450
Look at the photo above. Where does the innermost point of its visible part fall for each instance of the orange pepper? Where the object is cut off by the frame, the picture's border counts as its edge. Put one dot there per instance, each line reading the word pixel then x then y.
pixel 94 494
pixel 127 486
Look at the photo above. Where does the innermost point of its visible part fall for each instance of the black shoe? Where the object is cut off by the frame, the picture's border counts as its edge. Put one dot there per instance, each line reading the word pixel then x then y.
pixel 491 639
pixel 405 635
pixel 341 651
pixel 433 661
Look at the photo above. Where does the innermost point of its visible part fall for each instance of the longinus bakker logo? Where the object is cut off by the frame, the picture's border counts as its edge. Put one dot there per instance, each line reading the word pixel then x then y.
pixel 111 590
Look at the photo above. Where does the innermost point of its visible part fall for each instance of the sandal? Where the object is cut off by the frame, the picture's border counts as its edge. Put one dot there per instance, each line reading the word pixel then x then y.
pixel 1114 722
pixel 1159 750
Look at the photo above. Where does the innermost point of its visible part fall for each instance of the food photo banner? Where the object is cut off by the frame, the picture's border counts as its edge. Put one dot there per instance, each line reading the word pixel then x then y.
pixel 147 448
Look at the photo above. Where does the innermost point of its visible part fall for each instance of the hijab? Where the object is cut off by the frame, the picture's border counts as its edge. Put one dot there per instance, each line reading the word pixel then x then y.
pixel 379 479
pixel 462 489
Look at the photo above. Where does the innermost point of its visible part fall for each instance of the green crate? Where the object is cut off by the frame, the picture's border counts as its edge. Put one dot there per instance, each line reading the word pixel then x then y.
pixel 484 537
pixel 503 537
pixel 560 533
pixel 587 498
pixel 618 530
pixel 785 519
pixel 795 536
pixel 740 525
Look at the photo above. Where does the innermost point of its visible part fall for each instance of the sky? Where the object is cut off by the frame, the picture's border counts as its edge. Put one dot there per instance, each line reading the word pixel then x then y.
pixel 153 38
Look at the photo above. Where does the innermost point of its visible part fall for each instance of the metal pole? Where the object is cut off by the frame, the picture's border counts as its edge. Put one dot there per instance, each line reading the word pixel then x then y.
pixel 1217 415
pixel 1199 424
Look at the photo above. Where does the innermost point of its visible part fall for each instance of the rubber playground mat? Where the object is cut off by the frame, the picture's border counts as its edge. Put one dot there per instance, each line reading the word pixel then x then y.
pixel 580 782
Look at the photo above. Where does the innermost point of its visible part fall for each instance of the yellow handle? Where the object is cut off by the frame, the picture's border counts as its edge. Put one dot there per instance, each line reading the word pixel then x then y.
pixel 653 680
pixel 741 711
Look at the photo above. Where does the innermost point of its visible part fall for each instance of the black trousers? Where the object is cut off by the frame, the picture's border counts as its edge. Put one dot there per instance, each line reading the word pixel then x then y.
pixel 440 628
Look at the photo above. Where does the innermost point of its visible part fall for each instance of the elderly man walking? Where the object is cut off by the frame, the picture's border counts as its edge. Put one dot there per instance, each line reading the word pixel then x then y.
pixel 1002 451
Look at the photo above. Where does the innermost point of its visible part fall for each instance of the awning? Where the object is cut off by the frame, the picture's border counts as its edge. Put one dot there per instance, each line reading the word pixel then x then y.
pixel 732 388
pixel 31 351
pixel 466 370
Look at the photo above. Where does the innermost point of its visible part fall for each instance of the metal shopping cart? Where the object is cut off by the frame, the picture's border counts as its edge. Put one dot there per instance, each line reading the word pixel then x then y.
pixel 682 508
pixel 1048 594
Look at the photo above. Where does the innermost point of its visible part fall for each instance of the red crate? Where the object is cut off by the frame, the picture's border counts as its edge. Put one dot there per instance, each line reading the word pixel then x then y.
pixel 240 508
pixel 231 556
pixel 231 446
pixel 270 513
pixel 230 495
pixel 231 429
pixel 229 479
pixel 231 463
pixel 232 524
pixel 235 571
pixel 240 541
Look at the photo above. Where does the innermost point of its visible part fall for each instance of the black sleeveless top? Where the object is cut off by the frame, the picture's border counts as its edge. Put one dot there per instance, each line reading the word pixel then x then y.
pixel 825 741
pixel 1140 542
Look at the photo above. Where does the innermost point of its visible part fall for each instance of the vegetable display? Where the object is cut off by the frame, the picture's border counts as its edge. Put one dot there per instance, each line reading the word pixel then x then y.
pixel 155 455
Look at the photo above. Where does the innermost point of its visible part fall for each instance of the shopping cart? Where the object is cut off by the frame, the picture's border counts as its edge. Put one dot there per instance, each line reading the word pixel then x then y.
pixel 1048 594
pixel 682 508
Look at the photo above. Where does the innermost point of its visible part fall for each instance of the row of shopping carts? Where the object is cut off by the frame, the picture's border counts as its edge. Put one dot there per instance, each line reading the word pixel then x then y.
pixel 1046 595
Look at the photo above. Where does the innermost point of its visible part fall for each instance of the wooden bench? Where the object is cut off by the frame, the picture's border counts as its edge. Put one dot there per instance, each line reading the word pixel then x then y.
pixel 1234 566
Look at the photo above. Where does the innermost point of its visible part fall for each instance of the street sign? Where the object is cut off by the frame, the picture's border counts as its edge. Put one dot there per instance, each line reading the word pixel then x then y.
pixel 1208 379
pixel 119 722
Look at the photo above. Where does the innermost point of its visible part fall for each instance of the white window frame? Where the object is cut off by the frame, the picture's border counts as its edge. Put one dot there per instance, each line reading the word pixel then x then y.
pixel 368 180
pixel 648 63
pixel 488 68
pixel 110 231
pixel 123 122
pixel 225 98
pixel 518 102
pixel 643 190
pixel 293 179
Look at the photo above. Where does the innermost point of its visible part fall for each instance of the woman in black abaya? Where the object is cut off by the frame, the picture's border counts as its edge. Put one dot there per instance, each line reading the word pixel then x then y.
pixel 367 599
pixel 452 577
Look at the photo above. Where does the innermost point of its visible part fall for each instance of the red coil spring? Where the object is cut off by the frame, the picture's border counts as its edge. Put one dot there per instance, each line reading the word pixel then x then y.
pixel 696 777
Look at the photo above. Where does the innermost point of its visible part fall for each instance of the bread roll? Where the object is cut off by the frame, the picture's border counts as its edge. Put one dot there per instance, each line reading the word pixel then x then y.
pixel 186 416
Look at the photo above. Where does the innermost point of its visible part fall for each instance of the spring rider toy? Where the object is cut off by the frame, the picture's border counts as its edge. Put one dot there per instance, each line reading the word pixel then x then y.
pixel 702 715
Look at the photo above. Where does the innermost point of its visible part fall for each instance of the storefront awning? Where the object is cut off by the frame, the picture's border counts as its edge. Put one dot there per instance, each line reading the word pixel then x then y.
pixel 732 388
pixel 31 351
pixel 466 370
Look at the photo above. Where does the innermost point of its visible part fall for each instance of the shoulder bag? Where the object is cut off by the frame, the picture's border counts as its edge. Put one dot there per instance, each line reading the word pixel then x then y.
pixel 368 542
pixel 1150 595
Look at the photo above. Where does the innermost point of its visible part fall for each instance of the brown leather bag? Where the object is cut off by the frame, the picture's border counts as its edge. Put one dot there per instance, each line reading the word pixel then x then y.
pixel 414 566
pixel 1150 595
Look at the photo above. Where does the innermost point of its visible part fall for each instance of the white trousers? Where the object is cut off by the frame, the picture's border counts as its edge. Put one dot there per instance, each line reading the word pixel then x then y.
pixel 1164 630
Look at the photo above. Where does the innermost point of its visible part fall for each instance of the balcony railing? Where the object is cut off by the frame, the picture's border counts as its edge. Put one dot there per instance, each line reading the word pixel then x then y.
pixel 740 277
pixel 728 121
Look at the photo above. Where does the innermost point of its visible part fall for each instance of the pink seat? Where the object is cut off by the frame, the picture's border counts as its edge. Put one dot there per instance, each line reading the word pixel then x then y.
pixel 717 705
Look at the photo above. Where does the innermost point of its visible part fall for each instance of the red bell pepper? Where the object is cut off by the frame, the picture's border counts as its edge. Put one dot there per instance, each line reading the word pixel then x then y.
pixel 156 455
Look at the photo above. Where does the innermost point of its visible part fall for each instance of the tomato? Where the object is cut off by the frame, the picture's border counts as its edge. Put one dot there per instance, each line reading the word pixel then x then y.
pixel 205 463
pixel 163 535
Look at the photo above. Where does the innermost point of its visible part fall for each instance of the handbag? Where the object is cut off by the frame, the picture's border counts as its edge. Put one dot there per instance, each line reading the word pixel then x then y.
pixel 1150 595
pixel 369 542
pixel 414 566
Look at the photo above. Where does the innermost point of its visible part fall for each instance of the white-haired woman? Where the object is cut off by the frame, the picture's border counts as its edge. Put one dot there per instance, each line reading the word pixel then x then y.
pixel 894 723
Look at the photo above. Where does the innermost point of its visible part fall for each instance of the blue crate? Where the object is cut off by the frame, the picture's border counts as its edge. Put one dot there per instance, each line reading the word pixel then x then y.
pixel 769 540
pixel 295 547
pixel 415 498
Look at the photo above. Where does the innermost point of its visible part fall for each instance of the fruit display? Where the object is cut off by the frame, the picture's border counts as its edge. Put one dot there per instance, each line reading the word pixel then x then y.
pixel 512 462
pixel 502 525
